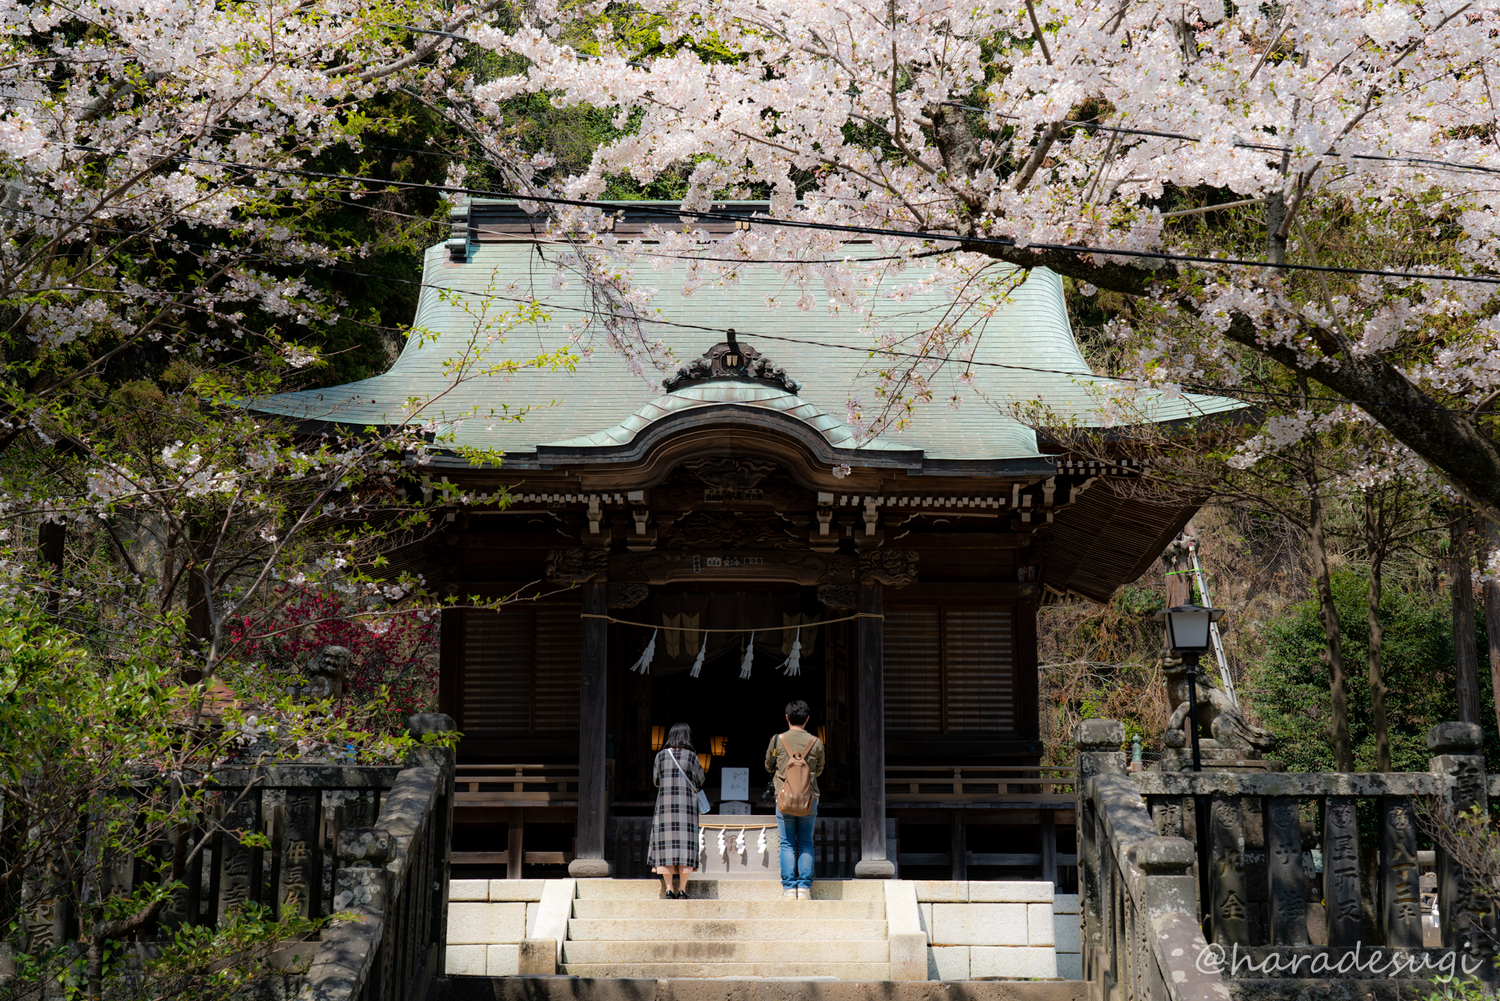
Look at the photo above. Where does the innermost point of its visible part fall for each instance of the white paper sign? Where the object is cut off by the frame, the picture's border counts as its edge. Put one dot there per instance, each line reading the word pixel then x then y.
pixel 736 782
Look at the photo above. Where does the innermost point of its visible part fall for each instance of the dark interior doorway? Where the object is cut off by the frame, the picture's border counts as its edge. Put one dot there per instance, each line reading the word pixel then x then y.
pixel 746 713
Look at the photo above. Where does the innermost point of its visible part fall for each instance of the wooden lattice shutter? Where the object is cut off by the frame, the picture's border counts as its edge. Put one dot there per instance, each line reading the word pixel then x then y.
pixel 559 654
pixel 913 669
pixel 497 670
pixel 979 668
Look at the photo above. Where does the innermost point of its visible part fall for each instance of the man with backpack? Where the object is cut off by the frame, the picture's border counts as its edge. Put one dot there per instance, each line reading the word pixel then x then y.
pixel 795 759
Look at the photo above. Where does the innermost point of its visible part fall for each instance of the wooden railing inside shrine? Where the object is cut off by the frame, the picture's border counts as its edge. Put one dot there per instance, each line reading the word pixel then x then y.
pixel 942 784
pixel 366 843
pixel 1174 865
pixel 516 785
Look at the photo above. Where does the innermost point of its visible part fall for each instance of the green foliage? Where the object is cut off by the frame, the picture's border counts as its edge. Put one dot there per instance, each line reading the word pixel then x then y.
pixel 105 762
pixel 1289 688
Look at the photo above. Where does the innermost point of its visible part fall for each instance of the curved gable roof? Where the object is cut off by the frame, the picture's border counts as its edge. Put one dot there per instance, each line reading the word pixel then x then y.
pixel 1026 352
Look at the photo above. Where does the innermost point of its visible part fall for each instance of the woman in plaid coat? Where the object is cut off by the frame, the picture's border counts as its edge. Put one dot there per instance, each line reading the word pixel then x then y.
pixel 674 828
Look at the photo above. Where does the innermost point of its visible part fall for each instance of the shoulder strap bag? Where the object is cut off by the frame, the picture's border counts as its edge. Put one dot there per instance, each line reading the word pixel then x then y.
pixel 703 804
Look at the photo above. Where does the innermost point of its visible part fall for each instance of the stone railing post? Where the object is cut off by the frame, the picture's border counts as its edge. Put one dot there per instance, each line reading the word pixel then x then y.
pixel 1169 909
pixel 341 967
pixel 441 835
pixel 1459 766
pixel 360 883
pixel 1099 745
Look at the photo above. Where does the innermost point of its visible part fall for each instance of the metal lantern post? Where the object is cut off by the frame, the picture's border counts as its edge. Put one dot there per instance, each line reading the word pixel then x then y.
pixel 1188 628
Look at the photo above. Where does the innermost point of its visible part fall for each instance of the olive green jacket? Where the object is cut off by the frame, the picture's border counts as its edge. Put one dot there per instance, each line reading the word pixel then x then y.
pixel 797 740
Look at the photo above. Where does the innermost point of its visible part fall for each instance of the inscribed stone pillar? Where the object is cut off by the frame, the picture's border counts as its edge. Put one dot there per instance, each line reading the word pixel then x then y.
pixel 1400 891
pixel 1098 744
pixel 1231 919
pixel 593 794
pixel 1341 872
pixel 1457 762
pixel 1286 885
pixel 873 862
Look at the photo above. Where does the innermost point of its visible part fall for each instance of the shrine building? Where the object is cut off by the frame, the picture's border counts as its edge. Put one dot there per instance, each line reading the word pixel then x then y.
pixel 729 514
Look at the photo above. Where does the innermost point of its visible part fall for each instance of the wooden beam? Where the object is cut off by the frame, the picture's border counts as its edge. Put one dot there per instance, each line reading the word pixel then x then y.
pixel 962 540
pixel 593 791
pixel 978 592
pixel 873 862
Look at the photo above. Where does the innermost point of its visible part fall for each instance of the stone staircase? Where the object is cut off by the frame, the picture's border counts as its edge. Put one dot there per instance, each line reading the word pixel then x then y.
pixel 727 928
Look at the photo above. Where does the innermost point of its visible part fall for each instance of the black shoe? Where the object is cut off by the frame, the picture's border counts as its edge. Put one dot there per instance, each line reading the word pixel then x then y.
pixel 678 894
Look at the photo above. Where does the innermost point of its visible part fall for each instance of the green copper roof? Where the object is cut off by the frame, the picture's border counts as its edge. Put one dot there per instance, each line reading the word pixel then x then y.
pixel 1026 352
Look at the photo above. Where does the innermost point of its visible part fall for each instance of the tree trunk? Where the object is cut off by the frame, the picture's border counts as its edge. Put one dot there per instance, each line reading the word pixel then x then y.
pixel 1465 649
pixel 51 538
pixel 1333 649
pixel 1376 547
pixel 1492 622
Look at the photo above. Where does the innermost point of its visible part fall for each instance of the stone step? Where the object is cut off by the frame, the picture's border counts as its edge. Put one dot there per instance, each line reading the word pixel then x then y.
pixel 674 971
pixel 724 929
pixel 615 988
pixel 805 952
pixel 702 910
pixel 726 889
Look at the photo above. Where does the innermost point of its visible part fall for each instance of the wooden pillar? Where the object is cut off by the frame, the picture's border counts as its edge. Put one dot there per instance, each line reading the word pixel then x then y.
pixel 958 845
pixel 593 796
pixel 873 863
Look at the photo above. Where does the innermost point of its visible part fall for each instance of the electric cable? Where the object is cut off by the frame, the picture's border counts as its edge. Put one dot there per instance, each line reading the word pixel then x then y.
pixel 872 351
pixel 1007 243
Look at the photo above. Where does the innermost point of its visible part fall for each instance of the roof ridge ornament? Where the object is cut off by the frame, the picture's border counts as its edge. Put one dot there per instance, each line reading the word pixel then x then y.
pixel 731 360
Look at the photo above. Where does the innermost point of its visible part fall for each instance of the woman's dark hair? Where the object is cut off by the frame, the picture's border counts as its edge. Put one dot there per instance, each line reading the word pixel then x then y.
pixel 680 736
pixel 797 712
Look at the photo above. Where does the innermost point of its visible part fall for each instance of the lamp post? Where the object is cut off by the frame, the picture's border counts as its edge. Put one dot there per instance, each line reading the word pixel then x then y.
pixel 1188 634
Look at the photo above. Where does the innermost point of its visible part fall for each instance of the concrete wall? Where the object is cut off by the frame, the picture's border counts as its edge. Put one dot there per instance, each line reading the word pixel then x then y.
pixel 1011 929
pixel 487 920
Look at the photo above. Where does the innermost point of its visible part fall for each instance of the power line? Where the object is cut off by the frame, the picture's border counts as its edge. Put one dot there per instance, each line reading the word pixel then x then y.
pixel 868 351
pixel 965 242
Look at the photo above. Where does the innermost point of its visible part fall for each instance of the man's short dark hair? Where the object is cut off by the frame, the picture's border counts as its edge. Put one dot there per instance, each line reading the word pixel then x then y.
pixel 797 712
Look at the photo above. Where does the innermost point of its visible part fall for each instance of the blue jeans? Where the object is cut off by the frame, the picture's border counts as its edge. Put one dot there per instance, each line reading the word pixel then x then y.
pixel 796 849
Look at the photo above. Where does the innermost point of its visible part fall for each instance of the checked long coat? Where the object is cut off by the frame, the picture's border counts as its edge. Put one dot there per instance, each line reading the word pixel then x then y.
pixel 674 827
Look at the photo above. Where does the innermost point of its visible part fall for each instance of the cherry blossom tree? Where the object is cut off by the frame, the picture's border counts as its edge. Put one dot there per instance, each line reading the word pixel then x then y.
pixel 1091 138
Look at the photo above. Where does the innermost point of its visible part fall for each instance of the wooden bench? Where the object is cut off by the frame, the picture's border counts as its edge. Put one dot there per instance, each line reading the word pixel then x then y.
pixel 522 791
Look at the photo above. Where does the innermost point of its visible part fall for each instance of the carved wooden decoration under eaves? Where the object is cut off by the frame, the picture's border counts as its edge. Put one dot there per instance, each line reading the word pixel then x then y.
pixel 627 595
pixel 839 596
pixel 707 566
pixel 731 473
pixel 891 567
pixel 733 530
pixel 576 566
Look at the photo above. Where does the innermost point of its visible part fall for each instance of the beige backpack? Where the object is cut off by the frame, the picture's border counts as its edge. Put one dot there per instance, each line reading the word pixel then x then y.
pixel 796 798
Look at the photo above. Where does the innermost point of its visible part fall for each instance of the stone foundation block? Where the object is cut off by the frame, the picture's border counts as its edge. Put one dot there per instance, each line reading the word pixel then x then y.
pixel 537 957
pixel 1021 963
pixel 1065 903
pixel 1010 891
pixel 908 956
pixel 1070 966
pixel 948 962
pixel 1039 924
pixel 516 889
pixel 468 889
pixel 979 924
pixel 473 923
pixel 502 960
pixel 947 891
pixel 1067 936
pixel 465 960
